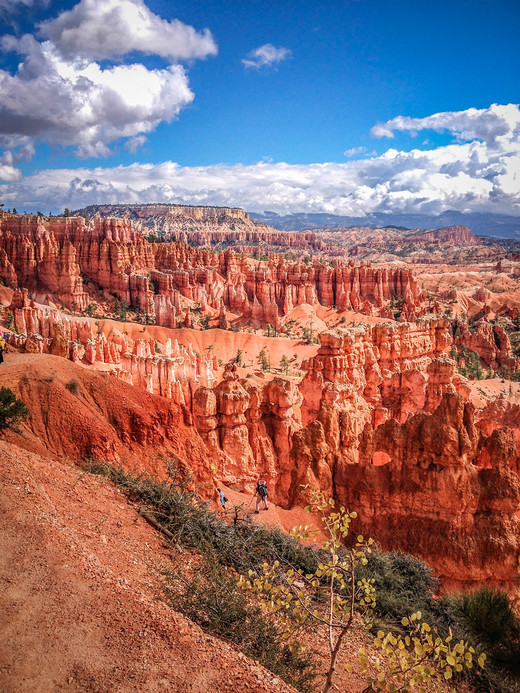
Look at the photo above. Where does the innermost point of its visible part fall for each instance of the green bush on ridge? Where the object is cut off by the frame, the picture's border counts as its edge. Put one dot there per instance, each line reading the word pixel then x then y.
pixel 12 410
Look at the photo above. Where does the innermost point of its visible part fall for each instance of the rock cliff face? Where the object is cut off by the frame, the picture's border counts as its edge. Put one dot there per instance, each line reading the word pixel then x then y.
pixel 68 262
pixel 381 422
pixel 59 257
pixel 490 342
pixel 450 234
pixel 172 374
pixel 420 486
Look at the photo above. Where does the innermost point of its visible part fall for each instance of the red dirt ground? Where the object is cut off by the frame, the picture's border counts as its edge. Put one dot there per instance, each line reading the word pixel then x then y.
pixel 79 574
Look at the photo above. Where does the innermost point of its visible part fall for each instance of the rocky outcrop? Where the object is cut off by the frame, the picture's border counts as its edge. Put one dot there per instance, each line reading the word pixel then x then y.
pixel 63 260
pixel 419 487
pixel 490 342
pixel 59 257
pixel 498 414
pixel 173 374
pixel 360 376
pixel 170 374
pixel 382 422
pixel 459 235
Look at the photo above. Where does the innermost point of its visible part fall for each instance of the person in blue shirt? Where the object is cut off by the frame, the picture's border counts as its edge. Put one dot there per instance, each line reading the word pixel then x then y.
pixel 223 499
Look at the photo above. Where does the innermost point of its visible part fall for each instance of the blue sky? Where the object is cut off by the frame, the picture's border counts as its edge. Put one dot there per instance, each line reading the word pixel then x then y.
pixel 216 123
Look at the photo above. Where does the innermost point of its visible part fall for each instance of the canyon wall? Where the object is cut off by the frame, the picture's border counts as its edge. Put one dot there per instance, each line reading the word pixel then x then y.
pixel 382 422
pixel 171 374
pixel 64 261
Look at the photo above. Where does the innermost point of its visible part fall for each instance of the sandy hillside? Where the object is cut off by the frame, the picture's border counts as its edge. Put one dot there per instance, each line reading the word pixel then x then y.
pixel 79 574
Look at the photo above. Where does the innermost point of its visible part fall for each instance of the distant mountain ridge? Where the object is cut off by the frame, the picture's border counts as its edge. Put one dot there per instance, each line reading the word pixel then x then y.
pixel 482 224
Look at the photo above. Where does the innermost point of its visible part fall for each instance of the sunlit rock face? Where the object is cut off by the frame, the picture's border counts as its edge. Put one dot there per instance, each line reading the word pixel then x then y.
pixel 381 419
pixel 64 260
pixel 382 422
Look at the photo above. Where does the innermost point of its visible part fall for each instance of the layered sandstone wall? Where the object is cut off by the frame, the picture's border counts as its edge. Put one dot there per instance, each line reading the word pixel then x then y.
pixel 72 263
pixel 490 342
pixel 382 422
pixel 171 374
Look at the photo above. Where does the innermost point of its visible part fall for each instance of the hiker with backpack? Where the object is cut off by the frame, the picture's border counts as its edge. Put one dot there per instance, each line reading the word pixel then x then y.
pixel 2 347
pixel 261 495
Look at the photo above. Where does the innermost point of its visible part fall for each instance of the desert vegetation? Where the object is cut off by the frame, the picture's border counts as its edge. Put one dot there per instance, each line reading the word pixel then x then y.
pixel 12 410
pixel 421 638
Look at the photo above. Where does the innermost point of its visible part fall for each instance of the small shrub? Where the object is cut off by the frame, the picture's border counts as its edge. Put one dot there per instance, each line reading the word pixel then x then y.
pixel 9 320
pixel 487 618
pixel 12 410
pixel 73 387
pixel 210 597
pixel 403 584
pixel 90 310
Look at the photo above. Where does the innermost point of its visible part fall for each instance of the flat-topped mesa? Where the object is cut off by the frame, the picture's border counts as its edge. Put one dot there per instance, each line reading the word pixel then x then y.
pixel 450 234
pixel 195 212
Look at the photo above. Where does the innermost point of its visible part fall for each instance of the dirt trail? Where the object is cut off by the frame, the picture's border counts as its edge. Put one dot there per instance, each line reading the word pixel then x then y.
pixel 79 575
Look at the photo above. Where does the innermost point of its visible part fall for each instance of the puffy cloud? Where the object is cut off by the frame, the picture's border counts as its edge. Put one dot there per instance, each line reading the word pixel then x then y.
pixel 79 103
pixel 265 56
pixel 354 151
pixel 100 29
pixel 469 177
pixel 60 95
pixel 474 176
pixel 8 172
pixel 9 159
pixel 491 125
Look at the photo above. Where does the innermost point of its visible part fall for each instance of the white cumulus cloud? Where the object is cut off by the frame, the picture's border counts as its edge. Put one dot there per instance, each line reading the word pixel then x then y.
pixel 465 177
pixel 480 175
pixel 491 124
pixel 265 56
pixel 100 29
pixel 60 94
pixel 81 104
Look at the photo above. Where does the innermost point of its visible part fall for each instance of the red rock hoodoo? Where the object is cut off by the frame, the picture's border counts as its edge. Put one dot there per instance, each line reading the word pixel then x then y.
pixel 379 416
